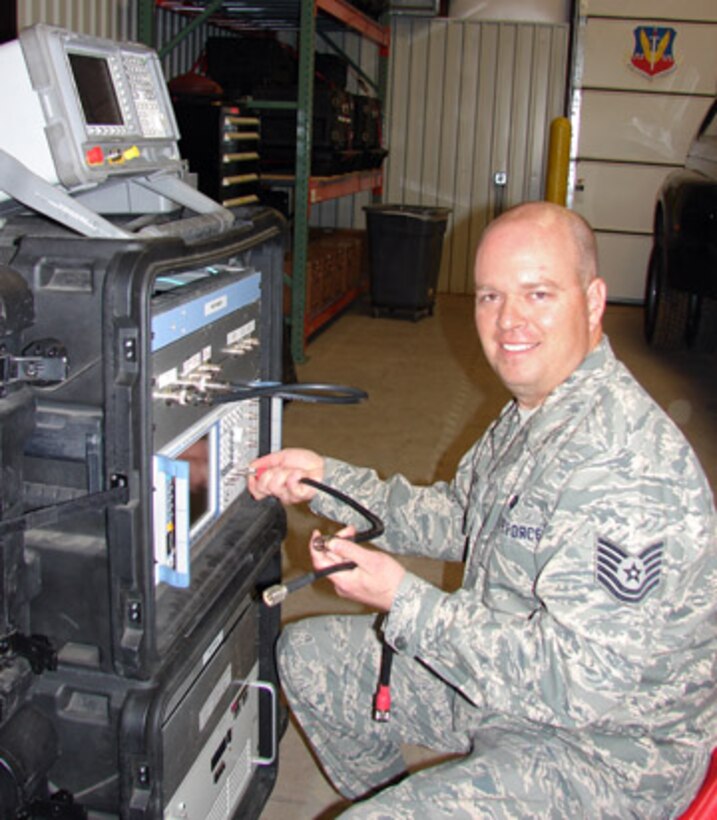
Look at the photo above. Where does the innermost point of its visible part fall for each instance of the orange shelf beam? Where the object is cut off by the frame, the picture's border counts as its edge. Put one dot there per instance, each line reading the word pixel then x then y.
pixel 355 19
pixel 322 189
pixel 341 10
pixel 315 323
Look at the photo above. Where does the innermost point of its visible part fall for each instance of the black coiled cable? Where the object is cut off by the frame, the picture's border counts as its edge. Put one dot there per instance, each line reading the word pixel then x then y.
pixel 376 528
pixel 311 392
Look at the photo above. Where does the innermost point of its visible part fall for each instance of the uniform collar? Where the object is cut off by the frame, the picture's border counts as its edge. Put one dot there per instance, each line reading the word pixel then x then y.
pixel 569 398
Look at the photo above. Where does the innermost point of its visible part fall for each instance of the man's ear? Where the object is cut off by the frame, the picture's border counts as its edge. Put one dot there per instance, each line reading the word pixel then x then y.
pixel 596 298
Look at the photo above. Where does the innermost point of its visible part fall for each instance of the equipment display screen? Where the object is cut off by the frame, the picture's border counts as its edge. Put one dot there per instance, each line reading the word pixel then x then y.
pixel 197 455
pixel 96 89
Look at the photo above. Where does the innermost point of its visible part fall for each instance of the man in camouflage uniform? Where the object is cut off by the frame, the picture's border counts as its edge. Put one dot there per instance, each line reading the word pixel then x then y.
pixel 572 675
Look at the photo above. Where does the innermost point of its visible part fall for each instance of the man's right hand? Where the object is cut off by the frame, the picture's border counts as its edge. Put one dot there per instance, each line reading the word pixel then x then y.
pixel 279 474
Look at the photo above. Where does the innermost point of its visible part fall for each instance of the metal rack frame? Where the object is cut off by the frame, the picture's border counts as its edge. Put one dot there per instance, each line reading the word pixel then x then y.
pixel 301 15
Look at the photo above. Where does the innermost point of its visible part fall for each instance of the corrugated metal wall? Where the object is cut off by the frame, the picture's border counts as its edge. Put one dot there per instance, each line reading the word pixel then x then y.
pixel 467 101
pixel 117 20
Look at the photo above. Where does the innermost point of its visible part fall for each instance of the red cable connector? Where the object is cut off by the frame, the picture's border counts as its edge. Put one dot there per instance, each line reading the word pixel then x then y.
pixel 382 699
pixel 382 704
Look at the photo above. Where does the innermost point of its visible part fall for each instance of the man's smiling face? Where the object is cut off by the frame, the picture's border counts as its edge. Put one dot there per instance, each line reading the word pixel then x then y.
pixel 535 317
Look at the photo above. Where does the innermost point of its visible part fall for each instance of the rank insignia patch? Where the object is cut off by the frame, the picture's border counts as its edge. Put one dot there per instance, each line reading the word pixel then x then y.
pixel 653 50
pixel 629 578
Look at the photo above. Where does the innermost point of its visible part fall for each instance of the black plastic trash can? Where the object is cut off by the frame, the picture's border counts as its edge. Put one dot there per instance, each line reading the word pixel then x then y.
pixel 405 244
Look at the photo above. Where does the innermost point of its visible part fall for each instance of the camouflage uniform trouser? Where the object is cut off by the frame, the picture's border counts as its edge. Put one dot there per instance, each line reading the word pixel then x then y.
pixel 329 670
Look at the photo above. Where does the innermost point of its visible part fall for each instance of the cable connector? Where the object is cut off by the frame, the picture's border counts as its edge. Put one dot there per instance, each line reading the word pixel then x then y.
pixel 273 596
pixel 382 704
pixel 382 698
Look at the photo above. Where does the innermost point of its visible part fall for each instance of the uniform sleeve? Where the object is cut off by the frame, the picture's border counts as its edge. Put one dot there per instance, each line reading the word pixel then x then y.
pixel 637 644
pixel 417 520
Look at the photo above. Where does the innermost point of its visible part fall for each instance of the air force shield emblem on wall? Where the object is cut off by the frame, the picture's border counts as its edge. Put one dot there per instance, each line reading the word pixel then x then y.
pixel 653 51
pixel 629 578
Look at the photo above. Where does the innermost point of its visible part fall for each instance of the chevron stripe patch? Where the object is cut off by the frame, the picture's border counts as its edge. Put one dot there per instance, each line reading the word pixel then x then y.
pixel 629 578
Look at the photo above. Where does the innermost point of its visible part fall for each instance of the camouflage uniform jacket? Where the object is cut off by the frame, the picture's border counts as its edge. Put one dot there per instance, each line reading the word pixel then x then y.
pixel 589 598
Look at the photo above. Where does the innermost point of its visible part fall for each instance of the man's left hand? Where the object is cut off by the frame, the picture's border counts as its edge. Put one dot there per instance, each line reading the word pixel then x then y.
pixel 375 579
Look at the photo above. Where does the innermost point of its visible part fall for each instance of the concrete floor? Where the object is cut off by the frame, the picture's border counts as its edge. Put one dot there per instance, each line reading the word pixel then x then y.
pixel 431 395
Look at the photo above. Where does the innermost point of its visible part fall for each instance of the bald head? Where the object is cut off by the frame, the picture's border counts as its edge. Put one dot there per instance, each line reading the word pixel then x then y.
pixel 576 233
pixel 539 300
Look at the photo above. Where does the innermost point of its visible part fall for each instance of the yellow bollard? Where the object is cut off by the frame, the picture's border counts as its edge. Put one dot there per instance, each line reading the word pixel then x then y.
pixel 556 183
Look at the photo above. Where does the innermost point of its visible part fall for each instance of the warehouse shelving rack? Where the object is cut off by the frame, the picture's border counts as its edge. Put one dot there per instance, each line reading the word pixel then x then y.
pixel 309 18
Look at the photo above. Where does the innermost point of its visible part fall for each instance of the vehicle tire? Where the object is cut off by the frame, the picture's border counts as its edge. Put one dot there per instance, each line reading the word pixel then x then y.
pixel 701 332
pixel 694 315
pixel 666 309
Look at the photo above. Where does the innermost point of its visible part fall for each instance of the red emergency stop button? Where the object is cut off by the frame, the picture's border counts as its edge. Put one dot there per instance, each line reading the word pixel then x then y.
pixel 95 155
